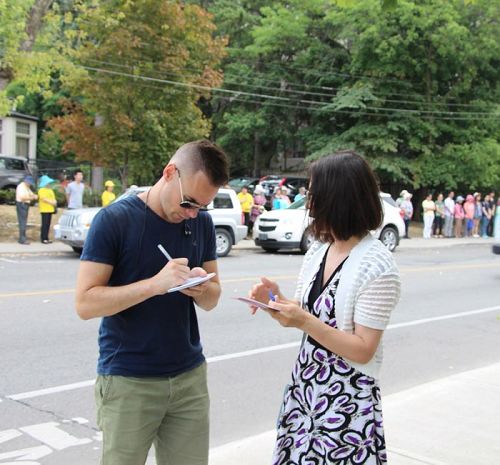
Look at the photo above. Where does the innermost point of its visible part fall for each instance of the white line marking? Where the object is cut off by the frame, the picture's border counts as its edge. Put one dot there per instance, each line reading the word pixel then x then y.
pixel 52 390
pixel 50 434
pixel 248 353
pixel 443 317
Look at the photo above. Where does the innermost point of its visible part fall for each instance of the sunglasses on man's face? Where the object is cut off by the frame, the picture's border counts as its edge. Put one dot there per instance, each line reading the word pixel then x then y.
pixel 188 204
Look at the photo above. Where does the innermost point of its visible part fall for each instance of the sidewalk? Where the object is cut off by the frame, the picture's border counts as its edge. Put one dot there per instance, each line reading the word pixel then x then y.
pixel 10 248
pixel 452 421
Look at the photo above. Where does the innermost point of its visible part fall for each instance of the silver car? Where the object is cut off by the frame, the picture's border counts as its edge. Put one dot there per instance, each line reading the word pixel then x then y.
pixel 225 211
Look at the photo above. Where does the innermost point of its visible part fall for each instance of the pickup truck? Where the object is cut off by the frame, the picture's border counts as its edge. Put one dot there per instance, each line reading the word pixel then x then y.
pixel 225 210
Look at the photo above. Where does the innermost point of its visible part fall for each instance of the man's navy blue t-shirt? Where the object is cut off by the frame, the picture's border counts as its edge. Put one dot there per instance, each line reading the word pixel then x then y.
pixel 158 337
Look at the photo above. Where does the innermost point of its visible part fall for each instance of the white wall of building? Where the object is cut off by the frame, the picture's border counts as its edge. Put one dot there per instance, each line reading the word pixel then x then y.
pixel 13 132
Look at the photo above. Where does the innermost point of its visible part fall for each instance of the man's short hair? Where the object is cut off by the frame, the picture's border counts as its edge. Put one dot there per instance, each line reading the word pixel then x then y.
pixel 203 155
pixel 344 197
pixel 77 171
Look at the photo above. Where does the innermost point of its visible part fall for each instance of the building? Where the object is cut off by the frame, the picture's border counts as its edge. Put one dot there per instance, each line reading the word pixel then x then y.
pixel 18 135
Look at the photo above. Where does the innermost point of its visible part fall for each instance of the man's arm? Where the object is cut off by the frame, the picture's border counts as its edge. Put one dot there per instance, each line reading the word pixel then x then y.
pixel 94 298
pixel 207 294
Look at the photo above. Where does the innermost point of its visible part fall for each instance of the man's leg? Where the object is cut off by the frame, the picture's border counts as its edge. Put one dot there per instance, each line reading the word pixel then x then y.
pixel 183 435
pixel 22 219
pixel 129 413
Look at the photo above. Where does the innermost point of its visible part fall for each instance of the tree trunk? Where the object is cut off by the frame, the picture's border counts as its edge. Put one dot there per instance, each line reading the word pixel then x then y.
pixel 34 23
pixel 257 149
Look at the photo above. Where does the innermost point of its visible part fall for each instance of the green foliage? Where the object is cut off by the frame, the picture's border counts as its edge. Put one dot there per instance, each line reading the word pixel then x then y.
pixel 7 196
pixel 411 85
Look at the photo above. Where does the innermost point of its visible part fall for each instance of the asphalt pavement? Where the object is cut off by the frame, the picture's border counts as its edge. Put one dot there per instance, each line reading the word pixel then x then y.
pixel 450 421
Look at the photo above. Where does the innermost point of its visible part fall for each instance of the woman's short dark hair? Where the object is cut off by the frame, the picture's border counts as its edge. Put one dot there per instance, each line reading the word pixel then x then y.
pixel 343 197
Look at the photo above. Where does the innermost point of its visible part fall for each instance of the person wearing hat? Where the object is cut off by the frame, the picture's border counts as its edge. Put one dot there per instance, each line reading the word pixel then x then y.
pixel 108 195
pixel 24 196
pixel 259 200
pixel 459 216
pixel 47 205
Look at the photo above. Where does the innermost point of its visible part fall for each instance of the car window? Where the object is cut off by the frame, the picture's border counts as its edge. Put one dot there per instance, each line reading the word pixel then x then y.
pixel 11 164
pixel 2 164
pixel 223 201
pixel 298 204
pixel 390 201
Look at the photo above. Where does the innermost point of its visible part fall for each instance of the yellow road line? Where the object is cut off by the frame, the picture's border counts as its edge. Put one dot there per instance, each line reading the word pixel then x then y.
pixel 422 269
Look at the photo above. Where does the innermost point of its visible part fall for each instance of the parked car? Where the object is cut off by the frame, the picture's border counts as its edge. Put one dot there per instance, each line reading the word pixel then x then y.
pixel 225 210
pixel 238 183
pixel 289 228
pixel 12 171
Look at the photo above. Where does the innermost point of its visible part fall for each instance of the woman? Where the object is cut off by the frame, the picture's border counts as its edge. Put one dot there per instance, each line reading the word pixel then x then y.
pixel 259 200
pixel 478 213
pixel 407 209
pixel 47 204
pixel 459 216
pixel 437 226
pixel 429 207
pixel 346 291
pixel 108 196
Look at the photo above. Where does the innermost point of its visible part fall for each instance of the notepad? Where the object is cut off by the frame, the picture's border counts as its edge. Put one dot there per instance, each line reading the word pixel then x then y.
pixel 256 303
pixel 191 282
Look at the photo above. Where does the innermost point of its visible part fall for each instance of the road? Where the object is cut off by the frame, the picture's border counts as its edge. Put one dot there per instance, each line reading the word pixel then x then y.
pixel 443 325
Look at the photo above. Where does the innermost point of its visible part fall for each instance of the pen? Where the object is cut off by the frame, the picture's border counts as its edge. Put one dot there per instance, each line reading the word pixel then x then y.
pixel 164 252
pixel 272 296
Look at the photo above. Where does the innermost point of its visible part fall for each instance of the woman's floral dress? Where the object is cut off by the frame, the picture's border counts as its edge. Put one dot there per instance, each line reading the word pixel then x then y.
pixel 331 412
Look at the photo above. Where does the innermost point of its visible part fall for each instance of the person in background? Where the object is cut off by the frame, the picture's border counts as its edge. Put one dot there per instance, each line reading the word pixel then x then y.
pixel 437 226
pixel 301 194
pixel 459 216
pixel 47 205
pixel 246 202
pixel 258 207
pixel 347 288
pixel 496 223
pixel 489 229
pixel 24 196
pixel 478 213
pixel 279 201
pixel 429 207
pixel 74 191
pixel 469 209
pixel 407 209
pixel 108 195
pixel 449 214
pixel 401 197
pixel 487 215
pixel 152 375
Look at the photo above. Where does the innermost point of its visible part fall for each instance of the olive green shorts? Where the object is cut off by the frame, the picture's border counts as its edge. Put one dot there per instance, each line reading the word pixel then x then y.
pixel 171 413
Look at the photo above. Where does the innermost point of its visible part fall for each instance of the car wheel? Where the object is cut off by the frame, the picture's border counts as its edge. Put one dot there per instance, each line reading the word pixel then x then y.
pixel 223 242
pixel 77 250
pixel 306 241
pixel 389 237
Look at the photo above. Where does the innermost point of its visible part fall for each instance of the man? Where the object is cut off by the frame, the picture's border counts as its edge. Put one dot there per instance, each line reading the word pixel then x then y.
pixel 151 385
pixel 246 202
pixel 489 229
pixel 449 213
pixel 74 191
pixel 24 196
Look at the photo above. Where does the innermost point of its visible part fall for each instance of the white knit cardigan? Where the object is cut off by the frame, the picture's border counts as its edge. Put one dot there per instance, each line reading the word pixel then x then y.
pixel 367 292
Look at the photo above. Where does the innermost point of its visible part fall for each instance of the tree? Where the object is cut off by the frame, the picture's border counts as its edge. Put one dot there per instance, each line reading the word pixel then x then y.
pixel 146 63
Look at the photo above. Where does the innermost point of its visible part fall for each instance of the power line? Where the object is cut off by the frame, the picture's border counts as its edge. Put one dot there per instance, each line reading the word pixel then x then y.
pixel 307 93
pixel 269 97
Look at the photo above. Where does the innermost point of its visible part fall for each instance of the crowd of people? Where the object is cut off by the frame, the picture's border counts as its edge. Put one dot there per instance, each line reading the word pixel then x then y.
pixel 47 202
pixel 469 216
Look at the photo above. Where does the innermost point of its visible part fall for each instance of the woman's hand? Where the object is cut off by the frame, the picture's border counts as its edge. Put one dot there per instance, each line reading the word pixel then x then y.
pixel 261 292
pixel 289 314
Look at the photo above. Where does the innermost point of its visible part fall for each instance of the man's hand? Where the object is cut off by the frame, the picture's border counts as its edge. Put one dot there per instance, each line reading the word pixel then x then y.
pixel 196 291
pixel 174 273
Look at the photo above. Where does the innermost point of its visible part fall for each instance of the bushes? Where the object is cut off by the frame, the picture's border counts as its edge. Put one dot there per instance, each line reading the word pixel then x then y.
pixel 8 196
